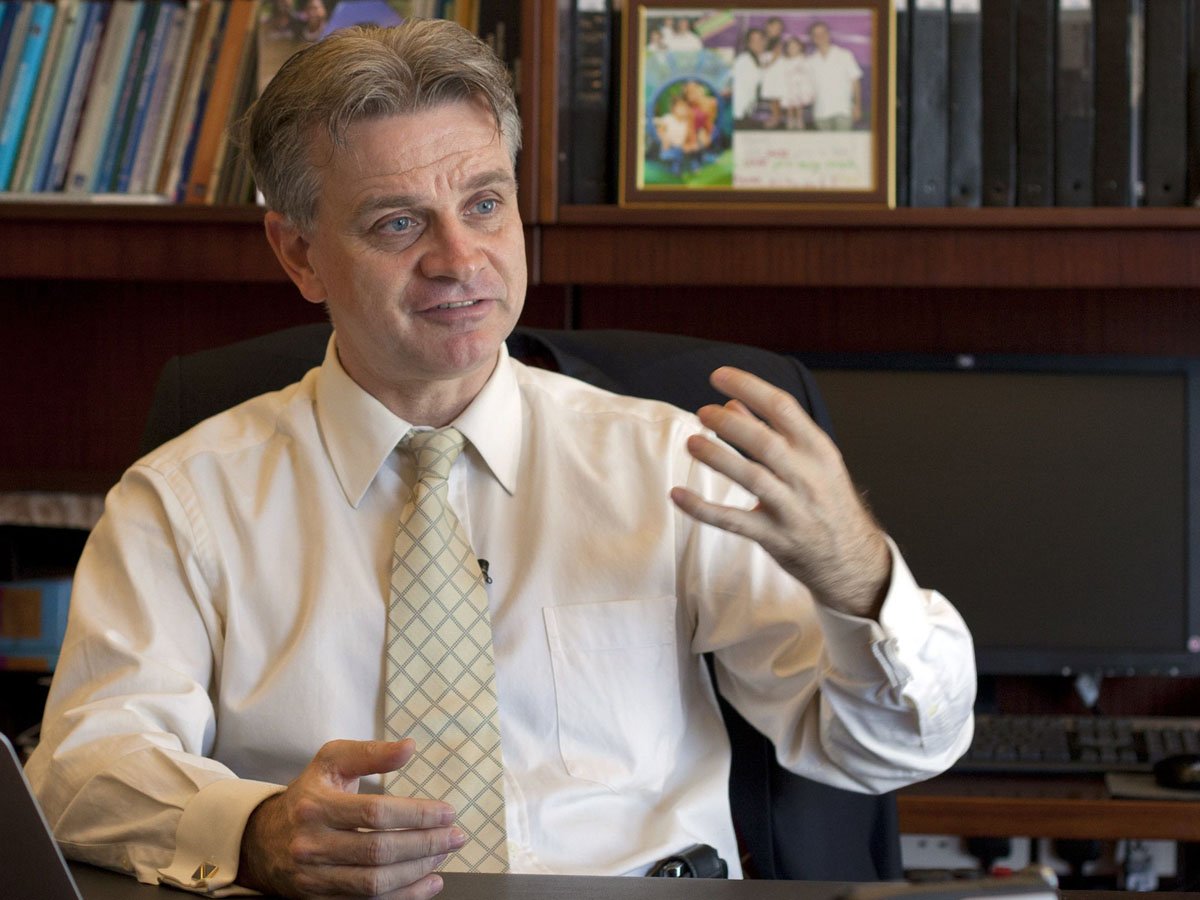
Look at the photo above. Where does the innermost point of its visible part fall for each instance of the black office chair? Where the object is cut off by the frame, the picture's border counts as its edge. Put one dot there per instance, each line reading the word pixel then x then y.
pixel 788 826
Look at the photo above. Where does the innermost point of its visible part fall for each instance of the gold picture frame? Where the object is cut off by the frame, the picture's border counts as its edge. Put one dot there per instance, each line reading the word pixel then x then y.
pixel 761 104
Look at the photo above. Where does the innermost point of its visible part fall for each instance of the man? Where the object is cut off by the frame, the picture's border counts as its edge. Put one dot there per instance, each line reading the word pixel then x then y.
pixel 837 82
pixel 221 696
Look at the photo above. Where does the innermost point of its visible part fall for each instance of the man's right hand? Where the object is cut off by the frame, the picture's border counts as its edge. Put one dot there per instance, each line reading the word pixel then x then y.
pixel 321 837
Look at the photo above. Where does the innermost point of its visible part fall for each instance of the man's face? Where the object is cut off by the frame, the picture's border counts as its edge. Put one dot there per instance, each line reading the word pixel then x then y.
pixel 820 37
pixel 418 250
pixel 756 41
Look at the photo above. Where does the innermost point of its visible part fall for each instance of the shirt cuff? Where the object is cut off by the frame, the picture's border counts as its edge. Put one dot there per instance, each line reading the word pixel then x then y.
pixel 900 618
pixel 208 840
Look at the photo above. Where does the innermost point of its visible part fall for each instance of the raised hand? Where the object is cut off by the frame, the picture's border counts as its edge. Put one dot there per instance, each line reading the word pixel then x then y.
pixel 809 515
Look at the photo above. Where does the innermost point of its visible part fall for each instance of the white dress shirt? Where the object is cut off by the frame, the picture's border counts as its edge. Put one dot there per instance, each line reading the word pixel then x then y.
pixel 229 614
pixel 833 75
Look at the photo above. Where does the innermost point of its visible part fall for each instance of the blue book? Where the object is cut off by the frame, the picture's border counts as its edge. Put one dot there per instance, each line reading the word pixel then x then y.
pixel 56 97
pixel 60 158
pixel 151 68
pixel 8 15
pixel 13 123
pixel 118 128
pixel 18 29
pixel 214 49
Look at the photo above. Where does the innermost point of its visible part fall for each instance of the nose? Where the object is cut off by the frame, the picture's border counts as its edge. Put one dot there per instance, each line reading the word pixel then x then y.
pixel 453 251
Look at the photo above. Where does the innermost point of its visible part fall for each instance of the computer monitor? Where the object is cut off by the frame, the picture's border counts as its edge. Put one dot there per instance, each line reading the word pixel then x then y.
pixel 1053 499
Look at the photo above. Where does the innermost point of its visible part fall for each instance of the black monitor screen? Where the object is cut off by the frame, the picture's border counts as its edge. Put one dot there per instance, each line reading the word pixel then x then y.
pixel 1049 498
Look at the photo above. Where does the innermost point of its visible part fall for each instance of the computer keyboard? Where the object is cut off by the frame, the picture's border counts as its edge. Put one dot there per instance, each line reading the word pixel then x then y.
pixel 1076 744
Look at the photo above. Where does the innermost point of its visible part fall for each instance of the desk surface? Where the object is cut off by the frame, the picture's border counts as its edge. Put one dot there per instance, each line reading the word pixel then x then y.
pixel 97 884
pixel 1033 806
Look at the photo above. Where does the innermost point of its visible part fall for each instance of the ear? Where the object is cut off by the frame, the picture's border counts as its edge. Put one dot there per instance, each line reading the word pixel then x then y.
pixel 292 250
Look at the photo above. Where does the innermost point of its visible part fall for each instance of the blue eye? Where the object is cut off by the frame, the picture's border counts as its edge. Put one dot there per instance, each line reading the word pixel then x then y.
pixel 487 206
pixel 398 225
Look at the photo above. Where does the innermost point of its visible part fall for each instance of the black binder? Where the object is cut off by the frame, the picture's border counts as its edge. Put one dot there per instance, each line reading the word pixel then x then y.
pixel 589 143
pixel 929 109
pixel 1075 116
pixel 998 115
pixel 1037 22
pixel 1193 189
pixel 965 147
pixel 1118 46
pixel 1165 103
pixel 903 100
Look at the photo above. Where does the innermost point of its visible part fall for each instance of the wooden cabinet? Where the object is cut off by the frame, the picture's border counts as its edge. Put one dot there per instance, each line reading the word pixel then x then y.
pixel 93 299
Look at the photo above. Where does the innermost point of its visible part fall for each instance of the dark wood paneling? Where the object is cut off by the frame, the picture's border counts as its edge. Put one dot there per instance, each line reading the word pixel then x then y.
pixel 1007 248
pixel 80 360
pixel 1155 322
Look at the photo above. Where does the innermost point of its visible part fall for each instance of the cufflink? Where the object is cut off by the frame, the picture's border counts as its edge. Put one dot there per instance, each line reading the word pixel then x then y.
pixel 204 871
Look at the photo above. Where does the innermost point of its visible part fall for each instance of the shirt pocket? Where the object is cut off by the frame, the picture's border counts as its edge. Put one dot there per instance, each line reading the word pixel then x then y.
pixel 616 688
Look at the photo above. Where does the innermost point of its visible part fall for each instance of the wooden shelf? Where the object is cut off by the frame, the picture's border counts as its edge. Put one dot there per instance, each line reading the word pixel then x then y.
pixel 1002 806
pixel 135 243
pixel 935 248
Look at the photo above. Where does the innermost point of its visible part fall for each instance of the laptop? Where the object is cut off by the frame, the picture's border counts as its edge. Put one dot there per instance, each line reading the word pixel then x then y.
pixel 30 859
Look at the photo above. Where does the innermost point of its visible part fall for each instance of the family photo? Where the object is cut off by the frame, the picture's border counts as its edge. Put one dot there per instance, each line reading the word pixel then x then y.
pixel 769 99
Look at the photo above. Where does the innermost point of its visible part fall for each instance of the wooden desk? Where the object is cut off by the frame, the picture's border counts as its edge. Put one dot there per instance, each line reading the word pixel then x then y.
pixel 96 884
pixel 1056 807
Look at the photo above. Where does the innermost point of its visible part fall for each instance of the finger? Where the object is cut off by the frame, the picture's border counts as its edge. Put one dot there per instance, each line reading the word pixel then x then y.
pixel 400 882
pixel 758 479
pixel 376 848
pixel 775 405
pixel 382 811
pixel 347 760
pixel 727 518
pixel 738 406
pixel 750 434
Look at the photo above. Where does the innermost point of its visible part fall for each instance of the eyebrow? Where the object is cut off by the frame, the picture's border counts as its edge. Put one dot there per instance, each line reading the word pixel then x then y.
pixel 490 178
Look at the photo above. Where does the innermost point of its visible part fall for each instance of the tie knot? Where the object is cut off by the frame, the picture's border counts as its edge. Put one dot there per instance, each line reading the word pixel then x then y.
pixel 434 451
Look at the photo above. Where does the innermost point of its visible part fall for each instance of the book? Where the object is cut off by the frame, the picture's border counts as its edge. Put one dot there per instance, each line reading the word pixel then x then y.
pixel 929 115
pixel 589 114
pixel 74 16
pixel 1117 180
pixel 8 14
pixel 1037 22
pixel 964 154
pixel 1165 103
pixel 1193 188
pixel 998 113
pixel 12 122
pixel 498 24
pixel 194 118
pixel 903 100
pixel 55 175
pixel 39 107
pixel 164 97
pixel 244 91
pixel 1075 116
pixel 238 26
pixel 102 96
pixel 17 33
pixel 151 68
pixel 123 114
pixel 204 31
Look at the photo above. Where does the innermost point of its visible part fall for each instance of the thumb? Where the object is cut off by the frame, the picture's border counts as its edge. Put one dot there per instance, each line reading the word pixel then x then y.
pixel 346 761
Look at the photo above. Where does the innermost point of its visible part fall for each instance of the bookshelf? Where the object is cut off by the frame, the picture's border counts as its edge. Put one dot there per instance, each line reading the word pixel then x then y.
pixel 108 292
pixel 96 297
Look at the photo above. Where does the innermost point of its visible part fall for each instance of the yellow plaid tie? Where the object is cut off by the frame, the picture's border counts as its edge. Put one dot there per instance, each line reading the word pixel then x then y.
pixel 441 677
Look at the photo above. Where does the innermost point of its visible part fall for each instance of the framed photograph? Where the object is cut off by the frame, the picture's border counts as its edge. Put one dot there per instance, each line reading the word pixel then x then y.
pixel 760 104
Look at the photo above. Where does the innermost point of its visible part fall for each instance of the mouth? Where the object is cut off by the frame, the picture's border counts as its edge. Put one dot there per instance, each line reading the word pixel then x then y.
pixel 460 304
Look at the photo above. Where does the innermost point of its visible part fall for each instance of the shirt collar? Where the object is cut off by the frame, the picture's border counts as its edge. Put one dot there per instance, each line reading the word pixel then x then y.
pixel 360 432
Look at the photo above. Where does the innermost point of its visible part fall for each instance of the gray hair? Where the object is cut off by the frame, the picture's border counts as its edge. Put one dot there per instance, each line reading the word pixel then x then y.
pixel 360 73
